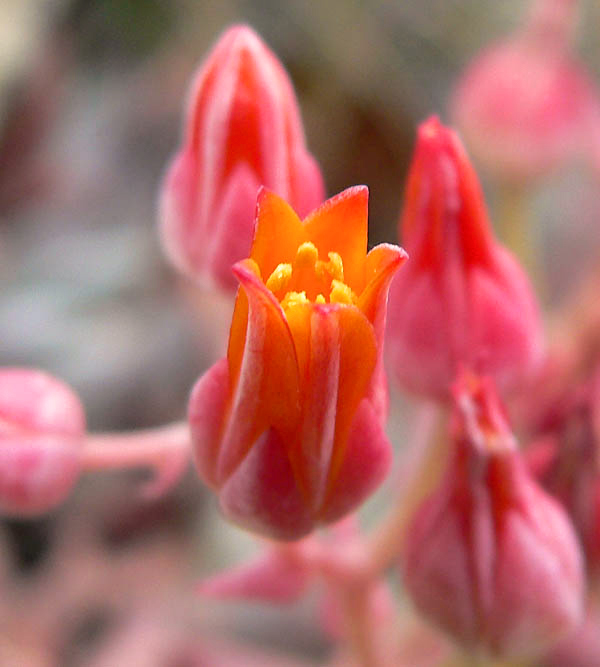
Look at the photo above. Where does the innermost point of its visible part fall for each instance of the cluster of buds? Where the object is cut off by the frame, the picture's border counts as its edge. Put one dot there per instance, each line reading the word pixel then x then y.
pixel 288 429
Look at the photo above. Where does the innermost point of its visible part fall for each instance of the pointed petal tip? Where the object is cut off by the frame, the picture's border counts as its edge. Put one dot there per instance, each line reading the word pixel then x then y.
pixel 240 36
pixel 436 136
pixel 246 271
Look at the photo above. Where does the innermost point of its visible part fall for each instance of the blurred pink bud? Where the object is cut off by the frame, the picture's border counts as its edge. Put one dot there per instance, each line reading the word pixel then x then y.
pixel 42 427
pixel 462 298
pixel 525 105
pixel 242 130
pixel 491 558
pixel 277 575
pixel 288 429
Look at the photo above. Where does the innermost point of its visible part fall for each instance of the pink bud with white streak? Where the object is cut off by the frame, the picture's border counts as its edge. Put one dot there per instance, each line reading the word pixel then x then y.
pixel 242 130
pixel 42 426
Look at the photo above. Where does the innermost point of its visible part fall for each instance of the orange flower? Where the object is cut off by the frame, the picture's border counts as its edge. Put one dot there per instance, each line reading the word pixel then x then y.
pixel 288 428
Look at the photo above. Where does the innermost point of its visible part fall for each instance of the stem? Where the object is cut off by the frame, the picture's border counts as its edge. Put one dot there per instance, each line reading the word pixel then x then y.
pixel 151 447
pixel 355 605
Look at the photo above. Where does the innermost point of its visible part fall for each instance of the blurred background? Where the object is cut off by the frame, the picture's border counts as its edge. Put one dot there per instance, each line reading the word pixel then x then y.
pixel 91 99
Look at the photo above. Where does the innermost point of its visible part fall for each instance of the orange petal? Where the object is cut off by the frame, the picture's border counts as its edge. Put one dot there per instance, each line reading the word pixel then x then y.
pixel 265 391
pixel 381 265
pixel 340 225
pixel 358 357
pixel 278 232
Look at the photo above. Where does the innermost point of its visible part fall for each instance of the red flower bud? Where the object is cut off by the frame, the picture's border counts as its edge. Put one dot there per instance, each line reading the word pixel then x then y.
pixel 462 299
pixel 288 429
pixel 242 130
pixel 42 426
pixel 525 105
pixel 492 559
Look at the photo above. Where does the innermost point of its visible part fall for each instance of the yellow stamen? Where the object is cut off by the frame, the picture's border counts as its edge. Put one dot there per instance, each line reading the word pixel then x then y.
pixel 306 256
pixel 334 268
pixel 341 293
pixel 280 278
pixel 320 299
pixel 293 299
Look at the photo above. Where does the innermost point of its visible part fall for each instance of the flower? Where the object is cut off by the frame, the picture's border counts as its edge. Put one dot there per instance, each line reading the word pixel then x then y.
pixel 288 428
pixel 242 130
pixel 42 427
pixel 491 558
pixel 526 105
pixel 463 299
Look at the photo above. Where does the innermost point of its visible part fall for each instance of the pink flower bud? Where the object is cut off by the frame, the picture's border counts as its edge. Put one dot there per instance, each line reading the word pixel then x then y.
pixel 42 426
pixel 491 558
pixel 462 299
pixel 525 105
pixel 242 130
pixel 288 429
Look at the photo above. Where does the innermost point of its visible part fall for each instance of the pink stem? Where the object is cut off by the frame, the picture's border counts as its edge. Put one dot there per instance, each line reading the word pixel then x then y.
pixel 151 447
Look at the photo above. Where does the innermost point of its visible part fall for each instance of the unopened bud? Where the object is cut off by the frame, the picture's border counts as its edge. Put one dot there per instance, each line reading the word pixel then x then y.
pixel 492 559
pixel 42 426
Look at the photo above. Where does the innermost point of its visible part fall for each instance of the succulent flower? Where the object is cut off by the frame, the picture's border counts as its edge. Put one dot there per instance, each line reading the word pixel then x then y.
pixel 288 428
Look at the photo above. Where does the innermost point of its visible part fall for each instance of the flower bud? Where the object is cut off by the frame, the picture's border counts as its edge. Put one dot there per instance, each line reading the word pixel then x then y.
pixel 42 426
pixel 492 559
pixel 462 299
pixel 242 130
pixel 288 429
pixel 525 105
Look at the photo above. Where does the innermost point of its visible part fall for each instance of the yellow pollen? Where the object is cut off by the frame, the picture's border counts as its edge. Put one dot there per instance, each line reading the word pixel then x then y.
pixel 333 269
pixel 320 299
pixel 306 256
pixel 280 278
pixel 341 293
pixel 293 299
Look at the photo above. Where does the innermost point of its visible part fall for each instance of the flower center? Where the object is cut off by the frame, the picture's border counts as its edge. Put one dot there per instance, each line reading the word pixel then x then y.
pixel 308 279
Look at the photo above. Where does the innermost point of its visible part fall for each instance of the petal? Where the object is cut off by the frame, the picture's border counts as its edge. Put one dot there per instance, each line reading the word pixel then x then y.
pixel 265 388
pixel 358 358
pixel 337 354
pixel 177 214
pixel 317 334
pixel 262 494
pixel 340 225
pixel 278 232
pixel 366 462
pixel 206 413
pixel 233 225
pixel 381 265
